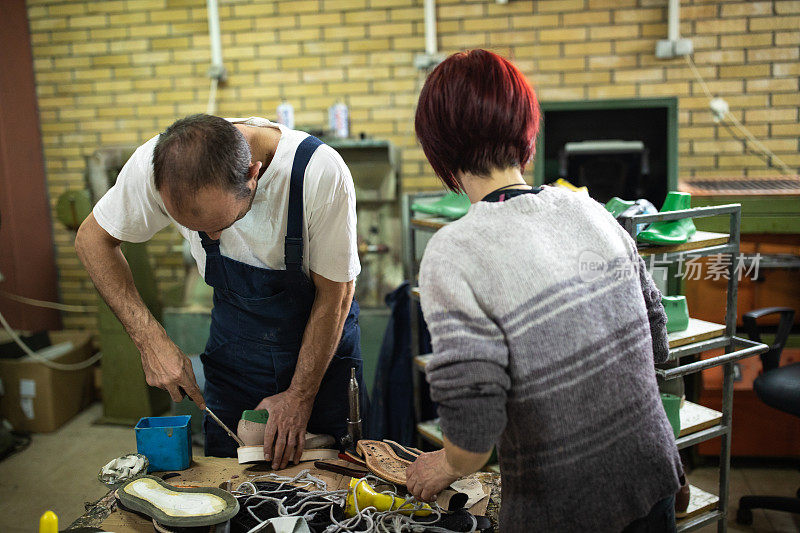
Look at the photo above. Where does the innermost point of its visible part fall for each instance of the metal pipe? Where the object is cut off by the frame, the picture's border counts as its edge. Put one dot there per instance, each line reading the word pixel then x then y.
pixel 430 28
pixel 752 348
pixel 674 29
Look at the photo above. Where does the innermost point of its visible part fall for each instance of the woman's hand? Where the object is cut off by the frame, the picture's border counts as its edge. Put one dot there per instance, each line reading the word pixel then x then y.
pixel 429 475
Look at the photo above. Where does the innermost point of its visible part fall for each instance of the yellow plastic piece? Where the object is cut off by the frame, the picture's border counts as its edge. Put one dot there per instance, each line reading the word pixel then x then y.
pixel 48 523
pixel 367 497
pixel 564 184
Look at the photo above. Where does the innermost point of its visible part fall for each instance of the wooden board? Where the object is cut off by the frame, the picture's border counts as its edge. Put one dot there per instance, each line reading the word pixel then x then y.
pixel 431 432
pixel 214 471
pixel 422 360
pixel 701 239
pixel 696 418
pixel 432 223
pixel 698 330
pixel 700 501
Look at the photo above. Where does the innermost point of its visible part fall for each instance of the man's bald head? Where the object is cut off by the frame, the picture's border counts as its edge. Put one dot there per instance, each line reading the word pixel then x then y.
pixel 200 152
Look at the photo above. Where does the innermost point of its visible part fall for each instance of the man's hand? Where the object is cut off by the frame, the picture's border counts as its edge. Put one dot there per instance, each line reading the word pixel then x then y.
pixel 429 475
pixel 168 367
pixel 285 435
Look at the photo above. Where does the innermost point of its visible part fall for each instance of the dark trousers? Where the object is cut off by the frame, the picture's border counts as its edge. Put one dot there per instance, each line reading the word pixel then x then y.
pixel 660 519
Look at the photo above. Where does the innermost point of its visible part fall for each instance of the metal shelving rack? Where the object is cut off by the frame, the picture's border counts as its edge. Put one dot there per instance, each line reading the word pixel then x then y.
pixel 681 347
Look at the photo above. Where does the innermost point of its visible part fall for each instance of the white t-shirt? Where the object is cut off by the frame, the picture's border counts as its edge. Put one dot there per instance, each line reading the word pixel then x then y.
pixel 133 211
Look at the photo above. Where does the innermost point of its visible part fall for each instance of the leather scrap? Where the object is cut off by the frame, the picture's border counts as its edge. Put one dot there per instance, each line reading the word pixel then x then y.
pixel 403 452
pixel 350 457
pixel 382 461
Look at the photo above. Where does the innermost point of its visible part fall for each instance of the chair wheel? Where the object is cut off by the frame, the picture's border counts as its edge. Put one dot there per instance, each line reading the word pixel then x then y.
pixel 744 516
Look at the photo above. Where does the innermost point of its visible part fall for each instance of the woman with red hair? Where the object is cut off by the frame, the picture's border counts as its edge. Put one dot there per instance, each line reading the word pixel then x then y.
pixel 545 325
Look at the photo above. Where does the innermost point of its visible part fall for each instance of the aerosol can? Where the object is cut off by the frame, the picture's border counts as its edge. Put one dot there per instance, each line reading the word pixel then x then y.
pixel 286 114
pixel 339 120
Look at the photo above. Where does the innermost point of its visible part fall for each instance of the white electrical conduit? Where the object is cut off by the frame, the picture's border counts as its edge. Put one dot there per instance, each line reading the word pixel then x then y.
pixel 213 34
pixel 217 69
pixel 430 28
pixel 45 361
pixel 674 20
pixel 738 125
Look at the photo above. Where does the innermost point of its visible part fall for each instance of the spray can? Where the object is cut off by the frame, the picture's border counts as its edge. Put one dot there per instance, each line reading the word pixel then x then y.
pixel 286 114
pixel 339 120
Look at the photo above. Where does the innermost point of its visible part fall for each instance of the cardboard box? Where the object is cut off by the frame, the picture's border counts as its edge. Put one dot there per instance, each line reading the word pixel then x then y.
pixel 37 398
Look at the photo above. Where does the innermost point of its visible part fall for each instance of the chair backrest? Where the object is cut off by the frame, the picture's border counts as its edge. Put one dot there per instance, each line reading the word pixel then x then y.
pixel 770 359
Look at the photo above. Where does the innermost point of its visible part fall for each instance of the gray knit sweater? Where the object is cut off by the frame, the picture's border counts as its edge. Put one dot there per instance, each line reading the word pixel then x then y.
pixel 545 327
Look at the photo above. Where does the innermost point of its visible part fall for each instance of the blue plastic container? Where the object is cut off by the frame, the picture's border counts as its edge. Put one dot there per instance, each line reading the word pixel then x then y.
pixel 166 441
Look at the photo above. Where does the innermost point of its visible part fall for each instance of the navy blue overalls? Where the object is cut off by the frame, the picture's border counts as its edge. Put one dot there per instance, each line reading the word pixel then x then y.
pixel 257 326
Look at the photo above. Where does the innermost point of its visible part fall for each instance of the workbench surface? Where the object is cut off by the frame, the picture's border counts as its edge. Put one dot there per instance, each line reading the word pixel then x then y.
pixel 216 472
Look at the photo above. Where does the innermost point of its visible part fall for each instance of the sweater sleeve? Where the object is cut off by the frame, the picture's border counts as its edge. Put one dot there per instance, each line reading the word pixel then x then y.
pixel 655 314
pixel 467 374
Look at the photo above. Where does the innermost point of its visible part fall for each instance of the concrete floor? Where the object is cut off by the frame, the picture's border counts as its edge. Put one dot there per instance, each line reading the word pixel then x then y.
pixel 59 472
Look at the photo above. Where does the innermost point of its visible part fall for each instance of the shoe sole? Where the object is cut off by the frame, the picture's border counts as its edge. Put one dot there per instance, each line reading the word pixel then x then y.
pixel 195 507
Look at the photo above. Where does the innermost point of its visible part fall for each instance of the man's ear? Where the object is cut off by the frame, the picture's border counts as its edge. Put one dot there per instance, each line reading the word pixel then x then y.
pixel 252 174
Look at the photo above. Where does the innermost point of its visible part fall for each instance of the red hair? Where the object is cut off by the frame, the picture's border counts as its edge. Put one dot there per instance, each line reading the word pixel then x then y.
pixel 476 112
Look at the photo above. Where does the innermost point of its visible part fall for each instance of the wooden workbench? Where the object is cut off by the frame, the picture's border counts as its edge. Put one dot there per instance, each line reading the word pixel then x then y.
pixel 214 472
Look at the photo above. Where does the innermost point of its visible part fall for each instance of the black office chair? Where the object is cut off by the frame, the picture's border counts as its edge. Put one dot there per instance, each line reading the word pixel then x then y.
pixel 779 387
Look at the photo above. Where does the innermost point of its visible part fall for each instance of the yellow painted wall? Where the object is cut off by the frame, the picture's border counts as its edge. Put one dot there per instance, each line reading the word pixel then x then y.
pixel 116 72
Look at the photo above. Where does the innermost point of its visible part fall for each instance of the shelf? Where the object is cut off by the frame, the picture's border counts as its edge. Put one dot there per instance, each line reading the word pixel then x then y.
pixel 701 239
pixel 698 347
pixel 700 502
pixel 432 223
pixel 698 330
pixel 702 436
pixel 431 432
pixel 421 361
pixel 691 524
pixel 696 418
pixel 747 348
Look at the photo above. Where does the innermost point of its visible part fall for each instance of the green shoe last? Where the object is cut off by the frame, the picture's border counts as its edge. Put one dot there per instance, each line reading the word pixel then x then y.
pixel 674 231
pixel 677 312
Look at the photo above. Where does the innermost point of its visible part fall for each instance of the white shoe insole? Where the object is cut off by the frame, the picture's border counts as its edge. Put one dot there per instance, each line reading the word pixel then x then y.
pixel 174 503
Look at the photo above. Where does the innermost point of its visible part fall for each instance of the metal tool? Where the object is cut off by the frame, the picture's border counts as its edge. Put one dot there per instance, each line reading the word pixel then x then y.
pixel 230 433
pixel 341 469
pixel 354 420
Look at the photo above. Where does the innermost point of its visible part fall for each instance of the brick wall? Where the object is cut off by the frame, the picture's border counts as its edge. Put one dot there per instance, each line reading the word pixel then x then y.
pixel 118 71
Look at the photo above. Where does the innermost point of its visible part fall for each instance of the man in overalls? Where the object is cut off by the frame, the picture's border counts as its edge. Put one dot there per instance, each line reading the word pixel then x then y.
pixel 269 213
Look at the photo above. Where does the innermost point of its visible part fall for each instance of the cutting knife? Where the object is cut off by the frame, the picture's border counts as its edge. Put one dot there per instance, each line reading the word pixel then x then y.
pixel 230 433
pixel 219 422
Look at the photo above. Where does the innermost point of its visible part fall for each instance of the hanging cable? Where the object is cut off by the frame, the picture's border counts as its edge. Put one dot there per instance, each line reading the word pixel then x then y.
pixel 49 305
pixel 211 108
pixel 770 156
pixel 45 361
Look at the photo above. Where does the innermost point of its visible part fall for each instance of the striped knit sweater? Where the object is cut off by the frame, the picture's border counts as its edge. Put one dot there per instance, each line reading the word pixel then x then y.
pixel 545 327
